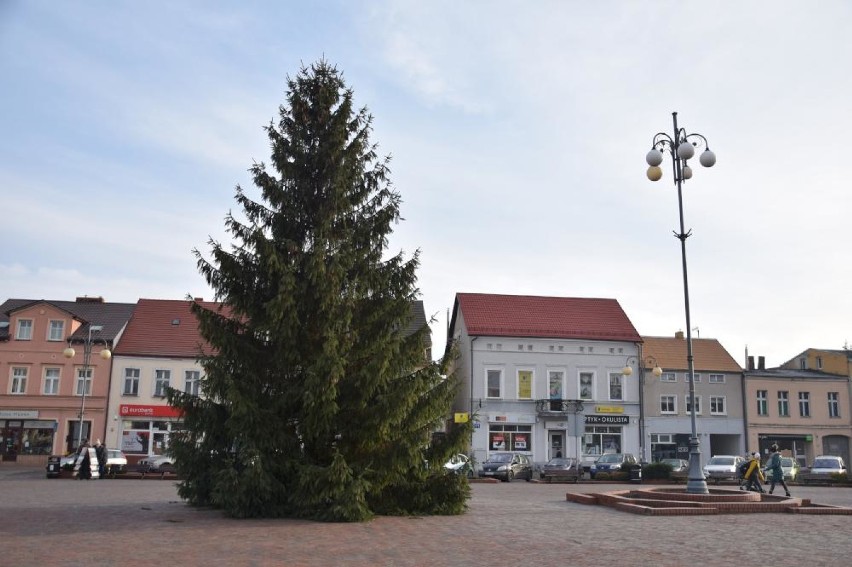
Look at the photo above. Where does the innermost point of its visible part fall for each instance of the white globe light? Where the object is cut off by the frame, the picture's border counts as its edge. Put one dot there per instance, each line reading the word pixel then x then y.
pixel 654 173
pixel 685 150
pixel 106 354
pixel 69 352
pixel 654 157
pixel 708 158
pixel 627 371
pixel 686 172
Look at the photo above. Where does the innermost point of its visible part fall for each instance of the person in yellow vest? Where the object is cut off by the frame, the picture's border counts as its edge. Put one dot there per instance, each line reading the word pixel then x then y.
pixel 754 476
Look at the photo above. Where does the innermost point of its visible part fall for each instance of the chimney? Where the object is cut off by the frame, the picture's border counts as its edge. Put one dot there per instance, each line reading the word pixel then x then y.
pixel 198 299
pixel 87 299
pixel 751 363
pixel 679 335
pixel 761 363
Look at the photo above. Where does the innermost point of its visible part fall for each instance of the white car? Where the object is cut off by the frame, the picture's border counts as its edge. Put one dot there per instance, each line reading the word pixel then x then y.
pixel 116 461
pixel 828 464
pixel 157 462
pixel 459 464
pixel 722 467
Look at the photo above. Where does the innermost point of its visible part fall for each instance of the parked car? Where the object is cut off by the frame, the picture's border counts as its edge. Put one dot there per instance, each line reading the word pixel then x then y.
pixel 722 467
pixel 561 469
pixel 459 464
pixel 677 465
pixel 116 461
pixel 788 465
pixel 507 466
pixel 155 463
pixel 611 462
pixel 827 464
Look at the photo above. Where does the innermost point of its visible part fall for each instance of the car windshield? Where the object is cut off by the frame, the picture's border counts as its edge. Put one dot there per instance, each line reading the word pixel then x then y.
pixel 721 461
pixel 826 464
pixel 673 462
pixel 500 458
pixel 558 462
pixel 610 459
pixel 787 462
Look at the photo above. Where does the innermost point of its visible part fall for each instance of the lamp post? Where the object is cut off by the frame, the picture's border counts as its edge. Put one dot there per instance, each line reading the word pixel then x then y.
pixel 681 148
pixel 657 372
pixel 88 343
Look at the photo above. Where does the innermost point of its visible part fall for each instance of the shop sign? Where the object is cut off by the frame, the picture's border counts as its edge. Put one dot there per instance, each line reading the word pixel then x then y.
pixel 609 409
pixel 19 414
pixel 461 417
pixel 130 410
pixel 608 419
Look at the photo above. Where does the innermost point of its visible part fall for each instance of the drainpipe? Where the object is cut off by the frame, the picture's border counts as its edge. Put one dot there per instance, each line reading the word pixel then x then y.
pixel 472 429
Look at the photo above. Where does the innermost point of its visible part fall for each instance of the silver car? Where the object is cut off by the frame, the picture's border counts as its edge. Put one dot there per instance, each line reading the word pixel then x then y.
pixel 722 467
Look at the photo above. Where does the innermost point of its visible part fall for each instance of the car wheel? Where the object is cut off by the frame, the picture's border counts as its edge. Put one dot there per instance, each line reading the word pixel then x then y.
pixel 510 476
pixel 529 476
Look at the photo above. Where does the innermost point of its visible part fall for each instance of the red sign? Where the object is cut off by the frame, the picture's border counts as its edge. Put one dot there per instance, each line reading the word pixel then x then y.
pixel 128 410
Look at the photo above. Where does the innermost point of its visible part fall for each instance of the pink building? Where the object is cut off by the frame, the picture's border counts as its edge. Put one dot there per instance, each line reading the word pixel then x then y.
pixel 48 401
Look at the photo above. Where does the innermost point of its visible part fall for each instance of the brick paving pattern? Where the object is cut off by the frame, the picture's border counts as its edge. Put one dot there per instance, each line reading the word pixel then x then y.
pixel 142 522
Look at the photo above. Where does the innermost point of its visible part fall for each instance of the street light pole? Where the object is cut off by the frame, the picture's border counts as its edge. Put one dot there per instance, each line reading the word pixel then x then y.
pixel 105 354
pixel 681 147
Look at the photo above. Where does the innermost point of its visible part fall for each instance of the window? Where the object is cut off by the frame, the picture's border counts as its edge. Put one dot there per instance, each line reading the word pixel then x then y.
pixel 25 330
pixel 586 381
pixel 161 382
pixel 819 362
pixel 51 381
pixel 668 377
pixel 56 330
pixel 784 404
pixel 762 405
pixel 716 379
pixel 131 382
pixel 84 381
pixel 615 391
pixel 494 385
pixel 717 405
pixel 668 404
pixel 191 382
pixel 686 399
pixel 805 404
pixel 525 382
pixel 600 440
pixel 510 438
pixel 695 374
pixel 803 364
pixel 555 380
pixel 833 404
pixel 19 380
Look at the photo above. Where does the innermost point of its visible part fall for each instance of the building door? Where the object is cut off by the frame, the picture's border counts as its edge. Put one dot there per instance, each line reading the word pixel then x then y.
pixel 557 444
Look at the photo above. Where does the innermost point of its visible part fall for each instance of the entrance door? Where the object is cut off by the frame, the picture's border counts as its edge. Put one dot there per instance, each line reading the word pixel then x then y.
pixel 557 444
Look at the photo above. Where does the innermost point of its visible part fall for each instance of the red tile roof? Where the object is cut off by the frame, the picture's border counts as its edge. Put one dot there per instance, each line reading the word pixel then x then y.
pixel 544 317
pixel 708 354
pixel 163 328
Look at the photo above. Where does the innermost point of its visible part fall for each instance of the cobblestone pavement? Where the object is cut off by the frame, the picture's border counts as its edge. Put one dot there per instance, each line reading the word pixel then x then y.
pixel 142 522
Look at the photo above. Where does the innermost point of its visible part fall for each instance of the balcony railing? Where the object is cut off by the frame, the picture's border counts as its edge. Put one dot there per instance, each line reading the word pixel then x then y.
pixel 555 407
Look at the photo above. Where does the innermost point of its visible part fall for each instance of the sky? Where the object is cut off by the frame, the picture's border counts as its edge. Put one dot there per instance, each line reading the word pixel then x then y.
pixel 517 133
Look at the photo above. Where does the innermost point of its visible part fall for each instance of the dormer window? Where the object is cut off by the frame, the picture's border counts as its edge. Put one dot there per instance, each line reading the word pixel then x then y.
pixel 24 331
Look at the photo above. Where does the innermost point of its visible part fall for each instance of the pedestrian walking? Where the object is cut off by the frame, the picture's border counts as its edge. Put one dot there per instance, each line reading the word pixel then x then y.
pixel 754 476
pixel 774 468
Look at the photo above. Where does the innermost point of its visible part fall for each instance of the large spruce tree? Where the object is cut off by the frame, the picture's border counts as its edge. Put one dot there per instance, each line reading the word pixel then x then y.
pixel 318 400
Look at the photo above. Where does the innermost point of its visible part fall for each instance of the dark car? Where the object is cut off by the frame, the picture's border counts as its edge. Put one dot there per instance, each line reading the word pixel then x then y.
pixel 611 462
pixel 507 466
pixel 561 469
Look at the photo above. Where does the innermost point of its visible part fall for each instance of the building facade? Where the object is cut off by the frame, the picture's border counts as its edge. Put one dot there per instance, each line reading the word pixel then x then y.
pixel 805 411
pixel 667 410
pixel 160 349
pixel 543 375
pixel 49 401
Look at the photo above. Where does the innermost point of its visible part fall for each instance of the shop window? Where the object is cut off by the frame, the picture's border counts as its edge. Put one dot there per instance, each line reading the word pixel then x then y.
pixel 510 438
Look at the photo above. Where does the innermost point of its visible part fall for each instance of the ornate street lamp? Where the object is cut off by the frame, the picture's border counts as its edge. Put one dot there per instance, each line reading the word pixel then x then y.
pixel 69 353
pixel 649 361
pixel 681 148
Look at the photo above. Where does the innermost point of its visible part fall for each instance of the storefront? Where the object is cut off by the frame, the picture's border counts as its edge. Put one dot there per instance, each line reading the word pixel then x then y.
pixel 603 434
pixel 22 433
pixel 145 430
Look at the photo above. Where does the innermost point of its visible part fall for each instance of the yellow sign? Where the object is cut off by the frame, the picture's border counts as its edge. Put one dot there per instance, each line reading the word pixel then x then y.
pixel 609 409
pixel 524 384
pixel 461 417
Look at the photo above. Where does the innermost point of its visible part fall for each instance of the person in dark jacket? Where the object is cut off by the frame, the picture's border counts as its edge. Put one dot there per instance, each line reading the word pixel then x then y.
pixel 100 453
pixel 84 464
pixel 774 468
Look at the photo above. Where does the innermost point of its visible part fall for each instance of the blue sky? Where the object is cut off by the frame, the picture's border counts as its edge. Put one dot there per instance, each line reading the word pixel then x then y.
pixel 517 133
